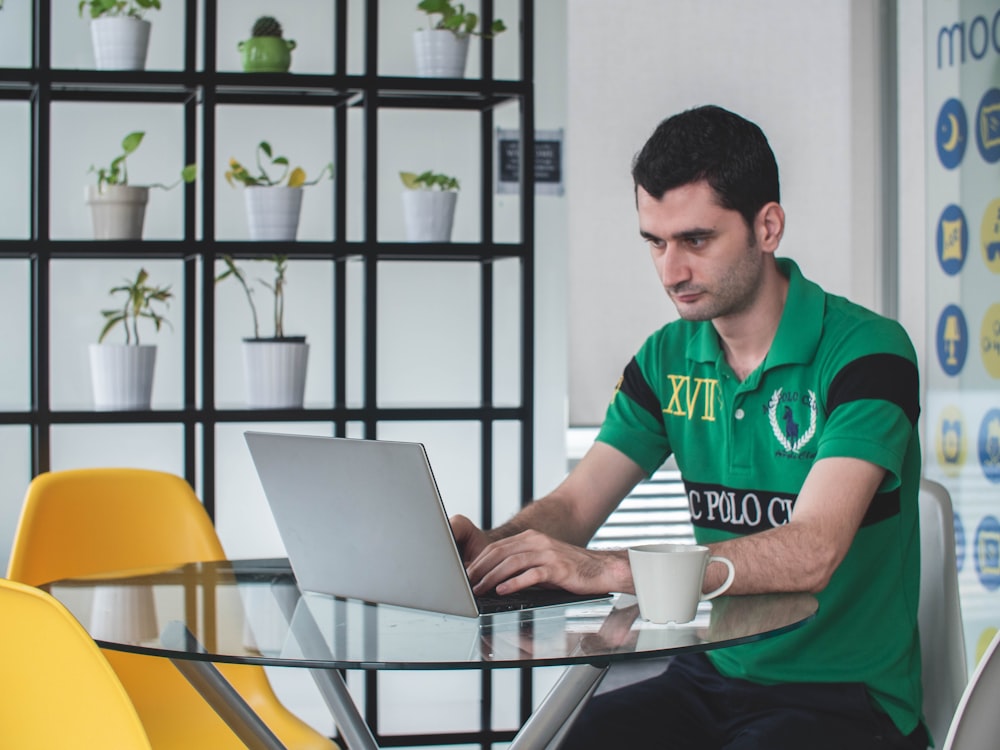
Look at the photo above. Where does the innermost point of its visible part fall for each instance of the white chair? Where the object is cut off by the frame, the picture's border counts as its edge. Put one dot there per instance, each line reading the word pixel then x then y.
pixel 977 721
pixel 942 643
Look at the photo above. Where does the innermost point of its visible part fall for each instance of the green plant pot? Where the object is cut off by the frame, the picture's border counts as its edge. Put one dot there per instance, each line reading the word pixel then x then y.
pixel 266 54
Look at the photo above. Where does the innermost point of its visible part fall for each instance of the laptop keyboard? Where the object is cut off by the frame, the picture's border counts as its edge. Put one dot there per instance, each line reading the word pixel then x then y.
pixel 530 598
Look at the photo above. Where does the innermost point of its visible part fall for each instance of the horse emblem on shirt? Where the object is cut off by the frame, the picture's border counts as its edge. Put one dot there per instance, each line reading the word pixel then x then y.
pixel 789 433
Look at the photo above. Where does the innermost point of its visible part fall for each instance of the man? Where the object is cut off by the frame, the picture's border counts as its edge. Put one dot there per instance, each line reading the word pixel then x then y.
pixel 792 416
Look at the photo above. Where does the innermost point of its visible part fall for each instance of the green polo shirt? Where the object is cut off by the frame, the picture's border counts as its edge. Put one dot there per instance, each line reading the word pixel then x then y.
pixel 839 380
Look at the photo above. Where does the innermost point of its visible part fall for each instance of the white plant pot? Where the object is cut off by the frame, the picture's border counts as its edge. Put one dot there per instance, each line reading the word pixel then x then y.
pixel 120 43
pixel 117 211
pixel 273 212
pixel 122 376
pixel 428 215
pixel 440 53
pixel 275 372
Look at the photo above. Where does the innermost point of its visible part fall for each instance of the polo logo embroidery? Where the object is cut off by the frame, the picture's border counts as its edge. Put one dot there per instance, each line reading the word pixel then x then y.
pixel 786 428
pixel 692 397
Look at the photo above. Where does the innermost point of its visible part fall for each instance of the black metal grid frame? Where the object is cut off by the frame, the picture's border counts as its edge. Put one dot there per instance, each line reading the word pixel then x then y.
pixel 198 92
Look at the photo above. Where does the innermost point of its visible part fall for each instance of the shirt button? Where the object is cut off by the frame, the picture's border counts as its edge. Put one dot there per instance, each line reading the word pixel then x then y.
pixel 739 414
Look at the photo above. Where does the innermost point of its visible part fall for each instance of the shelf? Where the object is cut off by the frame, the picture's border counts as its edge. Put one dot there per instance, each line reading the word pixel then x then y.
pixel 354 282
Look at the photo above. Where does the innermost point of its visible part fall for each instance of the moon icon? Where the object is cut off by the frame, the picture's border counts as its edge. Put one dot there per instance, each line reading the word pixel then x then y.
pixel 951 133
pixel 956 133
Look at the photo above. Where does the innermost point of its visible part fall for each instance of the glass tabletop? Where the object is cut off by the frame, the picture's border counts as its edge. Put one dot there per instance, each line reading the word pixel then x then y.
pixel 252 611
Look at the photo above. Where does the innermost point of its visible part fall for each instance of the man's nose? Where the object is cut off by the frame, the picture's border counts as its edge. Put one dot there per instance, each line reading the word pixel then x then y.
pixel 671 267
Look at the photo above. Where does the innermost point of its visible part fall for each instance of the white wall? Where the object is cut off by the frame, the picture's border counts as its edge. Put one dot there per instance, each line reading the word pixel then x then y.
pixel 804 70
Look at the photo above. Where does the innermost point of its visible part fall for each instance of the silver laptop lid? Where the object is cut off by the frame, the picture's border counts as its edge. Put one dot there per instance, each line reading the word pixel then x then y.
pixel 362 519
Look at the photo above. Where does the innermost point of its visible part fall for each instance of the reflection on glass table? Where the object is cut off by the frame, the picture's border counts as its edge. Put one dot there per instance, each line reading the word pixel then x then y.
pixel 253 612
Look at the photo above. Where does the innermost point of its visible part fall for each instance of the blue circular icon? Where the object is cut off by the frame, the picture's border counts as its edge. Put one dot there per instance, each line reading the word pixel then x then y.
pixel 951 134
pixel 988 126
pixel 987 553
pixel 959 542
pixel 952 340
pixel 989 445
pixel 952 240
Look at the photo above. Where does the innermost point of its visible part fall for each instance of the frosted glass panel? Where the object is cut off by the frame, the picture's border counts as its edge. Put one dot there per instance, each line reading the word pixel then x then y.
pixel 15 132
pixel 15 473
pixel 71 46
pixel 308 23
pixel 15 311
pixel 86 135
pixel 398 19
pixel 309 304
pixel 79 292
pixel 411 702
pixel 146 446
pixel 15 36
pixel 507 206
pixel 242 516
pixel 304 135
pixel 507 332
pixel 428 334
pixel 453 449
pixel 421 140
pixel 506 471
pixel 355 332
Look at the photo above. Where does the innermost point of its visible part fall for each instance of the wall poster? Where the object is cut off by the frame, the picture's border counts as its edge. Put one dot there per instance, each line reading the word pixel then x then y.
pixel 962 374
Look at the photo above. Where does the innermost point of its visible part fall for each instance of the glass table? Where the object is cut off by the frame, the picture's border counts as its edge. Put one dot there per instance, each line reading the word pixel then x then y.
pixel 252 612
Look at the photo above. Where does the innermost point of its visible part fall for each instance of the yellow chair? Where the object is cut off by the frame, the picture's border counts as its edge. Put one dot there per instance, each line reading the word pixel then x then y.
pixel 85 521
pixel 59 691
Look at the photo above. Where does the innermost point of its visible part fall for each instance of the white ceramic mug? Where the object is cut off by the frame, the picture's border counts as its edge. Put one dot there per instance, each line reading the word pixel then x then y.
pixel 668 580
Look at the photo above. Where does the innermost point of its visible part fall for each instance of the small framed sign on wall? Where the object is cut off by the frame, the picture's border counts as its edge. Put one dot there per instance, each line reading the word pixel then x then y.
pixel 548 161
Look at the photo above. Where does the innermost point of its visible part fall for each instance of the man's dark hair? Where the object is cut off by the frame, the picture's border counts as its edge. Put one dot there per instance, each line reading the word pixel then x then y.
pixel 712 144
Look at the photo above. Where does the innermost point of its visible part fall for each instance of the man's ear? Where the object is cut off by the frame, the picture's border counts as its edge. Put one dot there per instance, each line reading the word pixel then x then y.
pixel 769 226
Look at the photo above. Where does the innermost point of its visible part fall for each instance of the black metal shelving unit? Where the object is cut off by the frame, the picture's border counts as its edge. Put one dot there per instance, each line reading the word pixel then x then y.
pixel 199 91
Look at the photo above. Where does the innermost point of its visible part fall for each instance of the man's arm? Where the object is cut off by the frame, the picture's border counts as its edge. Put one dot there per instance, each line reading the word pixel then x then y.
pixel 544 544
pixel 804 553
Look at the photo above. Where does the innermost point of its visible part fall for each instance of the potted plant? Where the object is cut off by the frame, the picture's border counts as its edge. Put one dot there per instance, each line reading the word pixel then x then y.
pixel 122 374
pixel 274 366
pixel 266 51
pixel 119 33
pixel 117 208
pixel 273 203
pixel 441 51
pixel 428 206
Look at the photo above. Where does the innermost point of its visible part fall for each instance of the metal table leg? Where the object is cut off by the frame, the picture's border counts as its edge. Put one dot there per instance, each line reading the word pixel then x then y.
pixel 547 723
pixel 229 704
pixel 331 684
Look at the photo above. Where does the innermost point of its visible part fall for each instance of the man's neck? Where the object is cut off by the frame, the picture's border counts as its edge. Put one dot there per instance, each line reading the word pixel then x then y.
pixel 746 338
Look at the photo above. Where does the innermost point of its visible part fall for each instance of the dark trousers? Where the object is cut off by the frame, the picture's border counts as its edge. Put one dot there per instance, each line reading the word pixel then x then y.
pixel 693 707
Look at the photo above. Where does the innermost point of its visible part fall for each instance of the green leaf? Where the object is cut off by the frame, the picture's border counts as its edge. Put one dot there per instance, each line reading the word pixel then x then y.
pixel 189 173
pixel 132 141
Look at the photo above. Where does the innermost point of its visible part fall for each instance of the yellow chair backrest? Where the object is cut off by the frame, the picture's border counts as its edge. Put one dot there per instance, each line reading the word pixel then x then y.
pixel 84 521
pixel 59 690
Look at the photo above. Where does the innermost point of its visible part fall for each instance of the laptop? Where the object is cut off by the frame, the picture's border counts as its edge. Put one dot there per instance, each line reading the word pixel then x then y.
pixel 363 519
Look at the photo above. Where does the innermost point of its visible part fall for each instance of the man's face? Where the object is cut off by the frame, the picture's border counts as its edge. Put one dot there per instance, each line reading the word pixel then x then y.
pixel 707 258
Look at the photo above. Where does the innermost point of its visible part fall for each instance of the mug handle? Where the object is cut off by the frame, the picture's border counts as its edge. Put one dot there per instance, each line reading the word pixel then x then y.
pixel 725 584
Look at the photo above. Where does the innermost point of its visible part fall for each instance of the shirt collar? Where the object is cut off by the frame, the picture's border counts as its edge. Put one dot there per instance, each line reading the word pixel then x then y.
pixel 798 332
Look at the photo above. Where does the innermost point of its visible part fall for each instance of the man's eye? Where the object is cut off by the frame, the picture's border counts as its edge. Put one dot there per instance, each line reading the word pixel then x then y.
pixel 655 243
pixel 696 242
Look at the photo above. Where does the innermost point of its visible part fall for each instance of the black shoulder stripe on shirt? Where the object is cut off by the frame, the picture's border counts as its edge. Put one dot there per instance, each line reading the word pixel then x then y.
pixel 887 377
pixel 634 386
pixel 884 505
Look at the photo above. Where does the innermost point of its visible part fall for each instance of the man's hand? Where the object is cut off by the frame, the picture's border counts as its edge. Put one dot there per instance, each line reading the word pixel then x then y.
pixel 532 558
pixel 471 540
